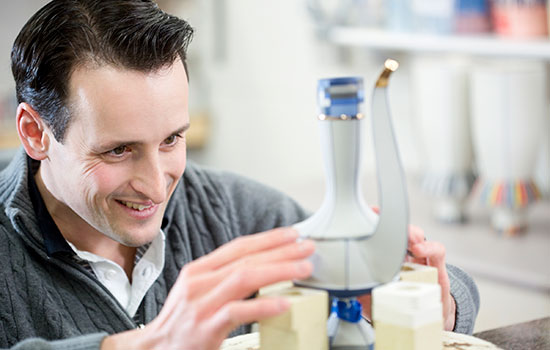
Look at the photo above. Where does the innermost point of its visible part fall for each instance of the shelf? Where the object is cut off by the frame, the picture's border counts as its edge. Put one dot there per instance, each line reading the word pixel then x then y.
pixel 482 45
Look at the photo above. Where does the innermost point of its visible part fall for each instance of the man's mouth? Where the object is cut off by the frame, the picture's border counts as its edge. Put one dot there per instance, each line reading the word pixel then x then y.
pixel 135 206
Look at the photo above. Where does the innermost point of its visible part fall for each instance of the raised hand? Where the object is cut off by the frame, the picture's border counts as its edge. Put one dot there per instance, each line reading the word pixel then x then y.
pixel 208 299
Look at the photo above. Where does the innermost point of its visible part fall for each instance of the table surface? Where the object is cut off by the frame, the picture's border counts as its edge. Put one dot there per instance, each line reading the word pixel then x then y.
pixel 451 341
pixel 532 335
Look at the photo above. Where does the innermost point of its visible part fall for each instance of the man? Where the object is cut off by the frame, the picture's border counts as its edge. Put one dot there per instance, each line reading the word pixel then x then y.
pixel 102 230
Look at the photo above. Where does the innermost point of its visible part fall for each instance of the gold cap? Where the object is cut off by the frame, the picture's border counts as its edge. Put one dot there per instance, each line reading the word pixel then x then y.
pixel 390 66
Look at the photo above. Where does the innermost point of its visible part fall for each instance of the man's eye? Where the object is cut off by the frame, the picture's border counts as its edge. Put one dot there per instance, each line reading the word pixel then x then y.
pixel 118 151
pixel 171 140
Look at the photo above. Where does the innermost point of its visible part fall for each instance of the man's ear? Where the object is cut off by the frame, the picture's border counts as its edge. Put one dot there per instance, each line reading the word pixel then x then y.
pixel 32 132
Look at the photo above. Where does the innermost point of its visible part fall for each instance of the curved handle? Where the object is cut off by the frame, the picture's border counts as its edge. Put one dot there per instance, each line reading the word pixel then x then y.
pixel 386 247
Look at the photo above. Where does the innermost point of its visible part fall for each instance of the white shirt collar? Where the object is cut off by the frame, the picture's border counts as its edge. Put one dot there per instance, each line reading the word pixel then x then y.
pixel 146 271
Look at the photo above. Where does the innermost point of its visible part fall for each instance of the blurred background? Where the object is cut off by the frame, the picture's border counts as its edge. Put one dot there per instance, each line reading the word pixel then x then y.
pixel 470 105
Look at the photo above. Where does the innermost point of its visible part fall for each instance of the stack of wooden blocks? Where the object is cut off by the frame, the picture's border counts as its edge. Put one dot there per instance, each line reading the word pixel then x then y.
pixel 408 314
pixel 302 327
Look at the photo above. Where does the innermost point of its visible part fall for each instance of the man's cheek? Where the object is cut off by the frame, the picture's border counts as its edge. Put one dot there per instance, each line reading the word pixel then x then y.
pixel 105 180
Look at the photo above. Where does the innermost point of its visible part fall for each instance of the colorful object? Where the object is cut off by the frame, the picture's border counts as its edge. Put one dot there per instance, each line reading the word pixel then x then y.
pixel 472 16
pixel 510 194
pixel 508 101
pixel 520 18
pixel 509 200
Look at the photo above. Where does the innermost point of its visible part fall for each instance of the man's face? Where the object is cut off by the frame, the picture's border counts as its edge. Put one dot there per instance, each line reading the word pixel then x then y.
pixel 122 155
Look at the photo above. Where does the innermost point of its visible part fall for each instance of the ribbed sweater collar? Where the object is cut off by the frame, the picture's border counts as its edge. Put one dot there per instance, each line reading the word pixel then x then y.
pixel 17 204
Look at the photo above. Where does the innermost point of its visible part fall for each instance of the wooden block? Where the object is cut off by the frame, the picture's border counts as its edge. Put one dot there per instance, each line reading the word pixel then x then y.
pixel 418 273
pixel 393 337
pixel 272 288
pixel 308 306
pixel 307 338
pixel 302 327
pixel 408 316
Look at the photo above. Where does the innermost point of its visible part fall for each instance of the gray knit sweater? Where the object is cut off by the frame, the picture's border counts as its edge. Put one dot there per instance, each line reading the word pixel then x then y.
pixel 55 303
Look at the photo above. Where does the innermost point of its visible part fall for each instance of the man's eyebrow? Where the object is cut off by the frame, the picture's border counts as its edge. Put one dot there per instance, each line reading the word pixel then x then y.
pixel 181 130
pixel 114 144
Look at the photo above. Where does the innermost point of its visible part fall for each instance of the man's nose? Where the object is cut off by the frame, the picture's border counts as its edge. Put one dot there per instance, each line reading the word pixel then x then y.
pixel 149 179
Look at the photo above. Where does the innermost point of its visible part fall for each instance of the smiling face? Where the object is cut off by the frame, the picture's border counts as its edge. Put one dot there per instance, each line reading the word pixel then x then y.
pixel 122 155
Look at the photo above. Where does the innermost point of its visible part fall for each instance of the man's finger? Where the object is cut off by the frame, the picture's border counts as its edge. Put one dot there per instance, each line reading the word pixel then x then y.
pixel 240 312
pixel 411 258
pixel 196 279
pixel 434 252
pixel 201 283
pixel 416 235
pixel 287 252
pixel 243 246
pixel 244 281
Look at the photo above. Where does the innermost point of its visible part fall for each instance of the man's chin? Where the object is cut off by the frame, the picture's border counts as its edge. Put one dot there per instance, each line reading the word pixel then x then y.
pixel 135 238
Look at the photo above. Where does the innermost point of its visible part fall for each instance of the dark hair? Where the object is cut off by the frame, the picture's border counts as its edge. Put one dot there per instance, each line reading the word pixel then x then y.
pixel 65 34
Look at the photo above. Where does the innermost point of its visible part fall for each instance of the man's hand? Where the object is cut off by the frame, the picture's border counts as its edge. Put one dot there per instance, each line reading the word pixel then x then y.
pixel 433 254
pixel 429 253
pixel 208 299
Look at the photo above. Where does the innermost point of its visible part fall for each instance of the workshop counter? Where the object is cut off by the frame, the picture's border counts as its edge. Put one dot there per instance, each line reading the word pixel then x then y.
pixel 532 335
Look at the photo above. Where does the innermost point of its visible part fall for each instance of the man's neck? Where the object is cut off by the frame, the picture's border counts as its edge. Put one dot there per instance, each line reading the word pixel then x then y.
pixel 83 236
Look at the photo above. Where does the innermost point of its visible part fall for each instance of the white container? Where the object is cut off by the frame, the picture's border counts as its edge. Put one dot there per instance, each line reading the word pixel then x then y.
pixel 439 87
pixel 508 103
